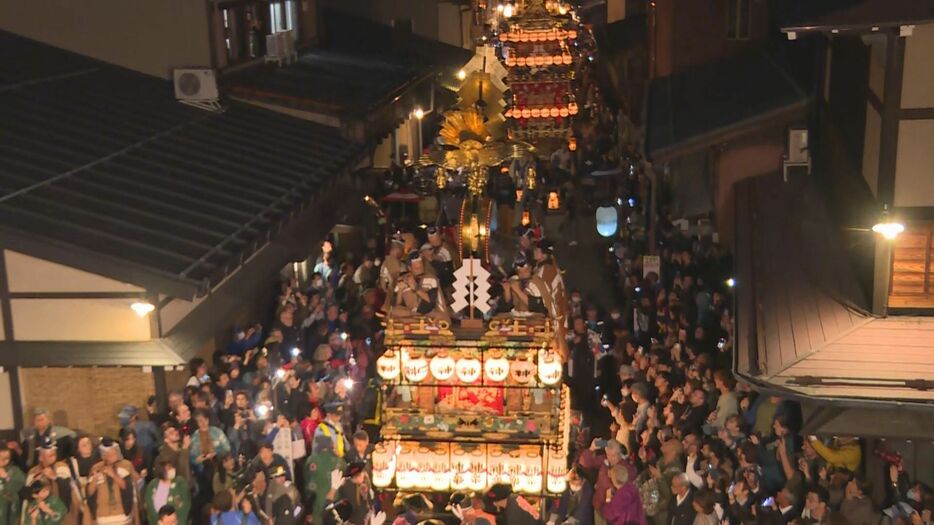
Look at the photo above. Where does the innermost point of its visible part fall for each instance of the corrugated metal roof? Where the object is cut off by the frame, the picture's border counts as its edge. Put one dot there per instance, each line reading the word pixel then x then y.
pixel 102 169
pixel 801 319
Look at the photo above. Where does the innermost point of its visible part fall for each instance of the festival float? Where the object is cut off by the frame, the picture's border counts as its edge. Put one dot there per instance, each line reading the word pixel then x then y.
pixel 541 56
pixel 477 399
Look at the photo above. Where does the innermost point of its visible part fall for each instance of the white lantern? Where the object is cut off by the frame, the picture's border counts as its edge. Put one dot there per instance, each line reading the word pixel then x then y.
pixel 468 369
pixel 522 371
pixel 388 365
pixel 496 369
pixel 549 368
pixel 415 369
pixel 442 367
pixel 557 468
pixel 384 465
pixel 607 221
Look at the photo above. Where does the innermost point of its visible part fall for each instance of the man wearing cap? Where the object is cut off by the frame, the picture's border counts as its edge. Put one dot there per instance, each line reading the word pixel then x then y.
pixel 111 489
pixel 58 477
pixel 332 428
pixel 281 487
pixel 356 490
pixel 44 427
pixel 43 507
pixel 12 480
pixel 527 292
pixel 509 508
pixel 390 269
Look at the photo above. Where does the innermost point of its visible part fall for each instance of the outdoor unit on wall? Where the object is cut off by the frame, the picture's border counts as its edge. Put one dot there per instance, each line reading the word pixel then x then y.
pixel 280 47
pixel 797 154
pixel 197 87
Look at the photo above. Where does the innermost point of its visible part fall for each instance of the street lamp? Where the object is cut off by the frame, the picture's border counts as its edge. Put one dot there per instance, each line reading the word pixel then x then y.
pixel 461 75
pixel 142 309
pixel 886 227
pixel 419 113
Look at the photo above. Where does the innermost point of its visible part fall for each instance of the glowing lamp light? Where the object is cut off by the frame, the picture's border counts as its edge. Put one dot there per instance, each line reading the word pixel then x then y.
pixel 731 282
pixel 500 8
pixel 461 75
pixel 415 369
pixel 142 309
pixel 280 373
pixel 607 221
pixel 442 367
pixel 262 411
pixel 526 218
pixel 889 230
pixel 549 368
pixel 572 144
pixel 387 366
pixel 553 202
pixel 348 383
pixel 508 11
pixel 419 113
pixel 496 369
pixel 468 369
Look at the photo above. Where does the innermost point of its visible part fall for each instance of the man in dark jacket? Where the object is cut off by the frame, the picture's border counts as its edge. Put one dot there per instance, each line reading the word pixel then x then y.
pixel 509 508
pixel 681 507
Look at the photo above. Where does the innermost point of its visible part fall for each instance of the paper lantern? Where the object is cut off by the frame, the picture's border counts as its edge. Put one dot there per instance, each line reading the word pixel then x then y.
pixel 415 369
pixel 563 112
pixel 607 221
pixel 496 369
pixel 522 371
pixel 554 112
pixel 572 108
pixel 536 113
pixel 384 465
pixel 572 34
pixel 526 218
pixel 539 60
pixel 549 60
pixel 442 367
pixel 556 481
pixel 553 201
pixel 549 368
pixel 520 61
pixel 388 365
pixel 468 369
pixel 526 113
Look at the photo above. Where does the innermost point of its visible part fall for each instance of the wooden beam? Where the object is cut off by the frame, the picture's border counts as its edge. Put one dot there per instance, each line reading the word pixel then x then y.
pixel 891 111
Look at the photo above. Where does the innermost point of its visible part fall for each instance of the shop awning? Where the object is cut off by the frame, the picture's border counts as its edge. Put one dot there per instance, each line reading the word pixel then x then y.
pixel 714 102
pixel 801 16
pixel 802 324
pixel 104 171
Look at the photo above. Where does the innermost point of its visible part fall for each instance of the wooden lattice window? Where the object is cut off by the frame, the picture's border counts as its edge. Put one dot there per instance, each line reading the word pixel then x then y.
pixel 912 268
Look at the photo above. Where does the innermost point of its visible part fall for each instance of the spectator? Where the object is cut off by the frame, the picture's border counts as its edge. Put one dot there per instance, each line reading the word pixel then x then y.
pixel 167 489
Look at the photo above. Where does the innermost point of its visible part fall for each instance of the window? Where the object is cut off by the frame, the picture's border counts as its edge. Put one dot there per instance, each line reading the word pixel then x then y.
pixel 738 19
pixel 282 15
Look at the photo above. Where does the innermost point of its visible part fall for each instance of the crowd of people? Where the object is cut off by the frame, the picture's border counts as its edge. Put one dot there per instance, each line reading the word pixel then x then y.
pixel 279 427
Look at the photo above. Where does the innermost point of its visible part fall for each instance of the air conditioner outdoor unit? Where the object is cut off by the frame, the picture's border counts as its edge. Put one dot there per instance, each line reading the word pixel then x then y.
pixel 197 87
pixel 796 153
pixel 280 47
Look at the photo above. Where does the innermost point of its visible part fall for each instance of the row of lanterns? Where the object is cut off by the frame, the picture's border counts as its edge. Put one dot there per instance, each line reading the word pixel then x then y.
pixel 543 112
pixel 468 368
pixel 538 36
pixel 451 466
pixel 540 60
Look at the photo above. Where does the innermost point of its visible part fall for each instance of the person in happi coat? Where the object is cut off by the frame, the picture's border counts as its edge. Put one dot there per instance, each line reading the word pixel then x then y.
pixel 42 430
pixel 389 270
pixel 167 488
pixel 527 293
pixel 43 507
pixel 319 469
pixel 111 489
pixel 12 480
pixel 58 475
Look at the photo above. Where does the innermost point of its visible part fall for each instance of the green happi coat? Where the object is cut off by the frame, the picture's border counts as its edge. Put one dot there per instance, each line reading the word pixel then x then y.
pixel 318 468
pixel 10 486
pixel 179 497
pixel 54 518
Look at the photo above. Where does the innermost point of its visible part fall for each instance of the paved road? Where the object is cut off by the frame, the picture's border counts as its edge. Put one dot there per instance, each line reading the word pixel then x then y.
pixel 583 264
